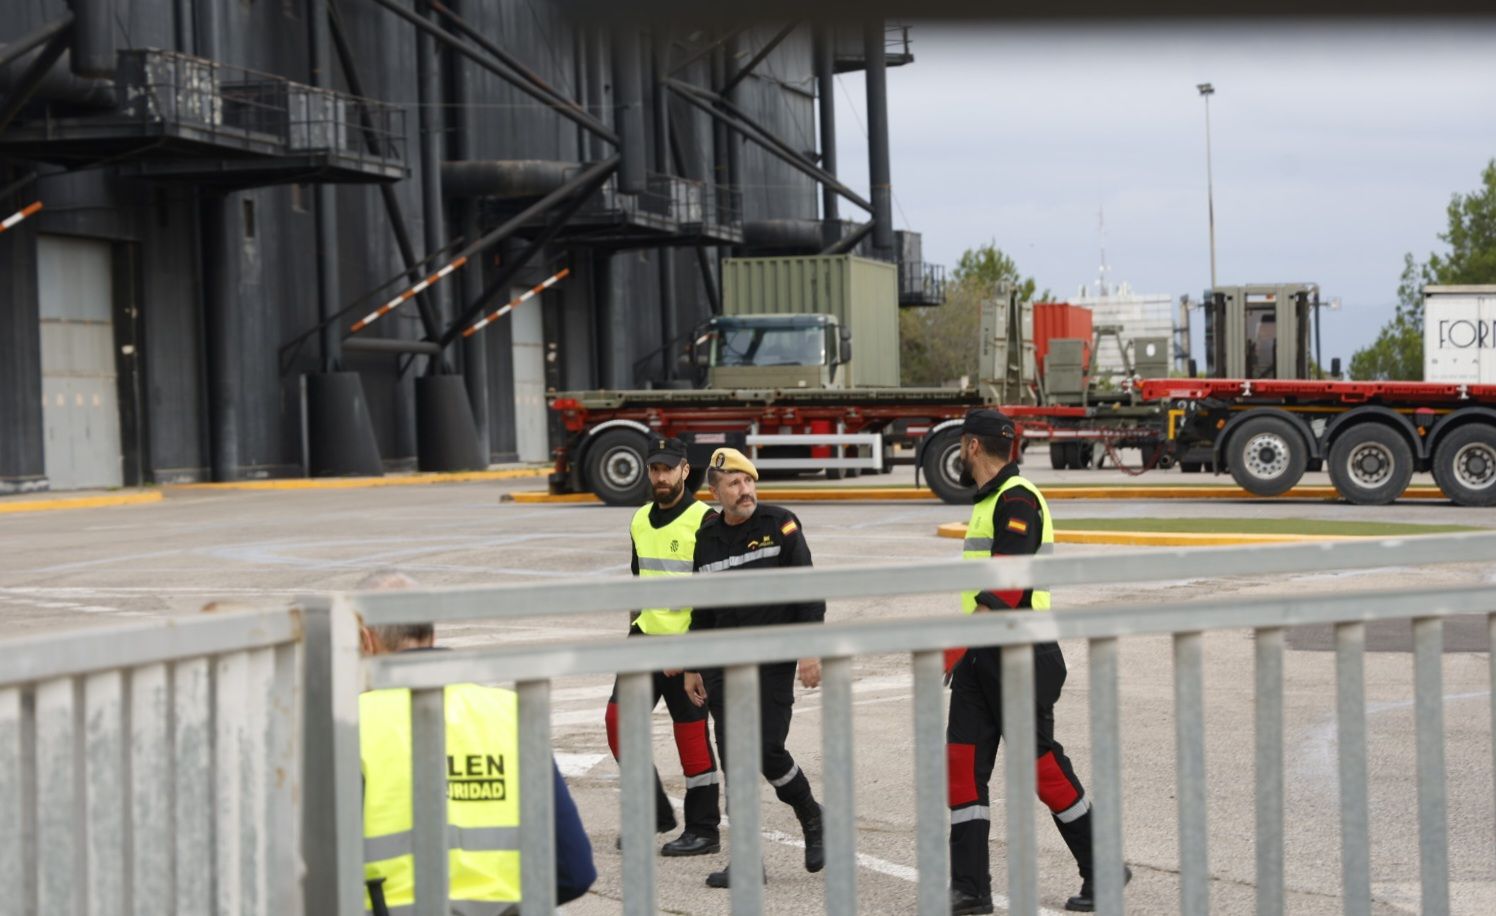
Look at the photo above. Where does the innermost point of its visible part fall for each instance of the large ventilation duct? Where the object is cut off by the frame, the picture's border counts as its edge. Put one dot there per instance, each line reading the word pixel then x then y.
pixel 59 84
pixel 783 235
pixel 93 38
pixel 506 179
pixel 628 99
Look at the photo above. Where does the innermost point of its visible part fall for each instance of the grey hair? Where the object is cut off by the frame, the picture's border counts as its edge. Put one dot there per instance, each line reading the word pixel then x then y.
pixel 395 634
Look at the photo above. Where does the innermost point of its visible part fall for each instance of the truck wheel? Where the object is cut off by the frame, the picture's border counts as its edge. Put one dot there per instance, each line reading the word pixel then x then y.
pixel 1370 465
pixel 1465 465
pixel 941 463
pixel 1267 456
pixel 615 468
pixel 1059 456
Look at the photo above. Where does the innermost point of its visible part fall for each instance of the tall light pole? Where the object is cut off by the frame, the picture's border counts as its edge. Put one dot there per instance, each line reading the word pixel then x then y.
pixel 1206 91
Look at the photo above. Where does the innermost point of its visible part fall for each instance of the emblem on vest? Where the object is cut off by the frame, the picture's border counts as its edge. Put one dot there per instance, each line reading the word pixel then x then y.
pixel 675 546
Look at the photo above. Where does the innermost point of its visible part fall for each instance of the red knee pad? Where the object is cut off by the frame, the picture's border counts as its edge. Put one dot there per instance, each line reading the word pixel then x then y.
pixel 961 774
pixel 1055 789
pixel 691 743
pixel 610 718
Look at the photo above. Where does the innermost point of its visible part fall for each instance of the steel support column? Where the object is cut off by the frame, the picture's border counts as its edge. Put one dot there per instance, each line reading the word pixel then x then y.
pixel 879 170
pixel 826 96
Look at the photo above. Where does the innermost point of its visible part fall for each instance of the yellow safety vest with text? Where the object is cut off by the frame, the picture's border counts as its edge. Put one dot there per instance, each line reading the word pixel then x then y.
pixel 482 796
pixel 980 536
pixel 666 551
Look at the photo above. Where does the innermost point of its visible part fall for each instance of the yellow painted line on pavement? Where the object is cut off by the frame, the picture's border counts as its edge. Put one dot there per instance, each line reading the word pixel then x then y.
pixel 957 530
pixel 355 483
pixel 81 502
pixel 1209 492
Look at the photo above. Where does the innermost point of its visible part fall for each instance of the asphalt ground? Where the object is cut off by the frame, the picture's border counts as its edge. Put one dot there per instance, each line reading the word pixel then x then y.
pixel 142 563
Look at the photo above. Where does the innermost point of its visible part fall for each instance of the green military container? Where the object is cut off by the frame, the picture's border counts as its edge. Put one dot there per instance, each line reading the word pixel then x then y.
pixel 861 294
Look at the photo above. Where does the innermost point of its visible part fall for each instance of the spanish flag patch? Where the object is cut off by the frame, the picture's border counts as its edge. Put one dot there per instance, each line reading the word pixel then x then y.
pixel 789 527
pixel 1018 525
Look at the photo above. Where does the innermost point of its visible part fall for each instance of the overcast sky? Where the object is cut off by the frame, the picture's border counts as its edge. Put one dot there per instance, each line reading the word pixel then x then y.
pixel 1336 149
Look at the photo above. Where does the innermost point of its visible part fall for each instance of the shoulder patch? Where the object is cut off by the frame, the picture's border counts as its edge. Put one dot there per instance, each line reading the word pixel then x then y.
pixel 789 527
pixel 1018 525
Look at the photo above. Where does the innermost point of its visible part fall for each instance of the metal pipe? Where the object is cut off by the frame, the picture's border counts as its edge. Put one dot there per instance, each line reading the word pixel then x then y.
pixel 850 240
pixel 637 800
pixel 564 107
pixel 1019 777
pixel 501 178
pixel 596 95
pixel 326 216
pixel 880 175
pixel 825 65
pixel 931 810
pixel 660 99
pixel 728 97
pixel 1433 792
pixel 706 49
pixel 93 38
pixel 743 752
pixel 428 793
pixel 1106 776
pixel 628 109
pixel 1189 749
pixel 398 346
pixel 758 58
pixel 838 750
pixel 1350 734
pixel 34 38
pixel 223 346
pixel 537 799
pixel 1268 769
pixel 733 118
pixel 470 284
pixel 433 216
pixel 30 78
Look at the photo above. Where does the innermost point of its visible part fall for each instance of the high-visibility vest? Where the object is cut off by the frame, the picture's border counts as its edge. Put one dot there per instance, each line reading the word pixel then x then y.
pixel 482 796
pixel 980 535
pixel 666 551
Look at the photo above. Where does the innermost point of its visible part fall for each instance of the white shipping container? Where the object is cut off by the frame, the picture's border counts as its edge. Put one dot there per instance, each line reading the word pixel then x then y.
pixel 1459 334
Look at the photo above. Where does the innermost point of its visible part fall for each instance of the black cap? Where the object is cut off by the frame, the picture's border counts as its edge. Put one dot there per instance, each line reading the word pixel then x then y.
pixel 669 451
pixel 986 422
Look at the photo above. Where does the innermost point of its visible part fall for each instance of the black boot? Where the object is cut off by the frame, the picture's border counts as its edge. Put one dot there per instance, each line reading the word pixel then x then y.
pixel 1085 901
pixel 963 903
pixel 815 841
pixel 692 843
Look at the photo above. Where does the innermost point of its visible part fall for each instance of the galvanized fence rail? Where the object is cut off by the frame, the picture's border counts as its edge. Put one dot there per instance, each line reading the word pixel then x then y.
pixel 533 667
pixel 153 769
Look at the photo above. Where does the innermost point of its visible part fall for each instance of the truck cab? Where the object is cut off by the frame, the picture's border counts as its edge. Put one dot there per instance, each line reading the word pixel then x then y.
pixel 773 351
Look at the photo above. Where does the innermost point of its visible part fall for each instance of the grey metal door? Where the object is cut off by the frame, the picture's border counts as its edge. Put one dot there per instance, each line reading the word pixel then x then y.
pixel 80 413
pixel 531 440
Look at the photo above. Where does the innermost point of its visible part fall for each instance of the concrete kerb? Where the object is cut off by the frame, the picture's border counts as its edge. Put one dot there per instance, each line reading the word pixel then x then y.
pixel 355 483
pixel 53 504
pixel 957 530
pixel 921 494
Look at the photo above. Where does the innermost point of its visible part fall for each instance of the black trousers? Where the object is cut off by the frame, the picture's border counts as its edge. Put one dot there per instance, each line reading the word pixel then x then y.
pixel 973 731
pixel 703 781
pixel 776 701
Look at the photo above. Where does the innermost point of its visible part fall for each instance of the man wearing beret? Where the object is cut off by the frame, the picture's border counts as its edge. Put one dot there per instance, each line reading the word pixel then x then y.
pixel 1010 518
pixel 750 535
pixel 663 532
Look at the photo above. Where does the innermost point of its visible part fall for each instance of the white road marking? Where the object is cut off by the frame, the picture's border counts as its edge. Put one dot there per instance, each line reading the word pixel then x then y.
pixel 574 765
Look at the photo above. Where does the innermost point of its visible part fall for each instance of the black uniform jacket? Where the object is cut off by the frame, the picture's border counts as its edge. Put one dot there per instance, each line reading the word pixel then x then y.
pixel 771 538
pixel 1017 530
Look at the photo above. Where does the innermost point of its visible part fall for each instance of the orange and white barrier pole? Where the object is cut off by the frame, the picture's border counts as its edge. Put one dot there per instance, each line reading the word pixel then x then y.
pixel 509 307
pixel 406 296
pixel 21 214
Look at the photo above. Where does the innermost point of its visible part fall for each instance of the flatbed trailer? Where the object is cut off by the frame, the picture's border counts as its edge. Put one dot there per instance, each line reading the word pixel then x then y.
pixel 1371 436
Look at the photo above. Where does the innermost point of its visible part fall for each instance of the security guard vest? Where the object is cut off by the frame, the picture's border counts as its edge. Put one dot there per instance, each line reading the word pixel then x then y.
pixel 980 536
pixel 666 551
pixel 482 796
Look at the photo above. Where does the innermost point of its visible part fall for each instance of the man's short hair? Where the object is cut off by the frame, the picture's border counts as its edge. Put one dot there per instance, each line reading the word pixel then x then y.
pixel 996 446
pixel 395 634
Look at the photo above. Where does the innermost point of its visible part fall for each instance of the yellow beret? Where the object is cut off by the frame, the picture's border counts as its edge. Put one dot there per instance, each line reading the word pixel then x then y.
pixel 730 459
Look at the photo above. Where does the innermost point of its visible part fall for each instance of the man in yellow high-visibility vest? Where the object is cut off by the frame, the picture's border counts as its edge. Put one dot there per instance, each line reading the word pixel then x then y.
pixel 483 786
pixel 663 532
pixel 1010 518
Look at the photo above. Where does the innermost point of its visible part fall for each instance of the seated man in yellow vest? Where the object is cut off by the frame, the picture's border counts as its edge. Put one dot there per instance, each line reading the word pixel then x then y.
pixel 664 536
pixel 483 800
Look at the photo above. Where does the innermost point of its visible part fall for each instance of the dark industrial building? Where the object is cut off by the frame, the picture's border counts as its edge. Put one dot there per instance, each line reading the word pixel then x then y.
pixel 230 189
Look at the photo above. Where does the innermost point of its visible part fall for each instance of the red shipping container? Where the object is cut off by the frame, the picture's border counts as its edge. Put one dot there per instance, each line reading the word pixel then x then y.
pixel 1060 320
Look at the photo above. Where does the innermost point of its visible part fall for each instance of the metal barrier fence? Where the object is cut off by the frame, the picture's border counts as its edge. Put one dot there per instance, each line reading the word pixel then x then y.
pixel 153 769
pixel 333 751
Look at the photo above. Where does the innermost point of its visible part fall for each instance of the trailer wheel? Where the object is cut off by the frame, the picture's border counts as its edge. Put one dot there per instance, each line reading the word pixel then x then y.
pixel 1370 465
pixel 1059 456
pixel 941 464
pixel 615 468
pixel 1465 465
pixel 1267 456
